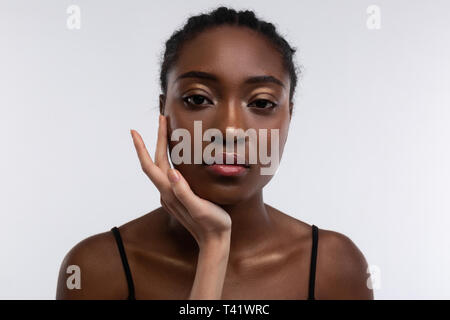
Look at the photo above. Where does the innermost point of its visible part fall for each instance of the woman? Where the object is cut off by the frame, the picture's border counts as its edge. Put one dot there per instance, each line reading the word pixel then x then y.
pixel 214 237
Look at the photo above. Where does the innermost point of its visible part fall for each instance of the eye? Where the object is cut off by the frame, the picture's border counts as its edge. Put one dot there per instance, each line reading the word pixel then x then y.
pixel 263 104
pixel 197 100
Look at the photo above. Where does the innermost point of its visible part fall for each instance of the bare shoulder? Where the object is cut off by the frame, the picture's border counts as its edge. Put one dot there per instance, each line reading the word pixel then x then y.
pixel 93 268
pixel 342 269
pixel 89 270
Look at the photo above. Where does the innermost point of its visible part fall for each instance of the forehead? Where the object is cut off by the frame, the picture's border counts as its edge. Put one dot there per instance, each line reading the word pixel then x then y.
pixel 232 53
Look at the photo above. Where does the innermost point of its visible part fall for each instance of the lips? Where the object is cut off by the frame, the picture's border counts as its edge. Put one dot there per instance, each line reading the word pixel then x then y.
pixel 232 168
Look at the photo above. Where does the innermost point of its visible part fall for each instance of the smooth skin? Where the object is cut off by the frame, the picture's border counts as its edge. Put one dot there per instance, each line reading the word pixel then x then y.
pixel 214 237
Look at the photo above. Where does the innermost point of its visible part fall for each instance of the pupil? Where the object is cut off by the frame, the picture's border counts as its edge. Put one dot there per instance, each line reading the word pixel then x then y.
pixel 260 103
pixel 198 99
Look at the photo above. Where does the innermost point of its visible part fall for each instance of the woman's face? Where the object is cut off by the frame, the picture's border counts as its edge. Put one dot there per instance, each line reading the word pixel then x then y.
pixel 223 98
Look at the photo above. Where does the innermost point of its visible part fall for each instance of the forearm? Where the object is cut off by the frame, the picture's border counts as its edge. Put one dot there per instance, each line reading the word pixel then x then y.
pixel 211 268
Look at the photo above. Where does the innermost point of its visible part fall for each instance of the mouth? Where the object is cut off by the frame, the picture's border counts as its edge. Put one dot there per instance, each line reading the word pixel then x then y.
pixel 229 168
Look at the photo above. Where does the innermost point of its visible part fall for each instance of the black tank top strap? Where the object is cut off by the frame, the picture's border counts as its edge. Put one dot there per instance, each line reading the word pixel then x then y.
pixel 312 270
pixel 126 267
pixel 125 264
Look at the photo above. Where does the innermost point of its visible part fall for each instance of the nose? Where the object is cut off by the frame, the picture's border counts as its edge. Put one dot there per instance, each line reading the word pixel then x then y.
pixel 230 117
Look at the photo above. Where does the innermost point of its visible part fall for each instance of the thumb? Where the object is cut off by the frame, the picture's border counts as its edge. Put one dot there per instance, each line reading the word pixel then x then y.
pixel 182 190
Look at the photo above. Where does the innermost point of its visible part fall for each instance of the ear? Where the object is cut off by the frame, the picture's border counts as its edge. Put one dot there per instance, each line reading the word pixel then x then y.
pixel 162 103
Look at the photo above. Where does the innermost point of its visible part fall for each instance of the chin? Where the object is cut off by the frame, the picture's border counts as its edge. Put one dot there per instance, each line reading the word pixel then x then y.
pixel 223 194
pixel 223 190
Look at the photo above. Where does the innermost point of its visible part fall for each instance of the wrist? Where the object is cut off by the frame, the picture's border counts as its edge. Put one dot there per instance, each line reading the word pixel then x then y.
pixel 216 243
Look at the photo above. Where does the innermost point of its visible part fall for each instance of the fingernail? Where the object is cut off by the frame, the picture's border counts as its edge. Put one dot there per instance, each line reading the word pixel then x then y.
pixel 173 175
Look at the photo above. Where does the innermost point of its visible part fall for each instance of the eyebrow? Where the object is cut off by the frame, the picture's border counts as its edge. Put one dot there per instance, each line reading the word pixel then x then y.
pixel 210 76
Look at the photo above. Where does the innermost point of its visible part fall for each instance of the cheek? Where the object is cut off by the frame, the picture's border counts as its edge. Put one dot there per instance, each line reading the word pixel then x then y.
pixel 284 124
pixel 175 113
pixel 284 130
pixel 278 133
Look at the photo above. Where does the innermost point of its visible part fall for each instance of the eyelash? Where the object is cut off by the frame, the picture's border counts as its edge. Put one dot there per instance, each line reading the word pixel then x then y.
pixel 186 100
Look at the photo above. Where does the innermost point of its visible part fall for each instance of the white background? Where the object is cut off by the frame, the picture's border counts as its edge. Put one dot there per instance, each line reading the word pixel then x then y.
pixel 367 154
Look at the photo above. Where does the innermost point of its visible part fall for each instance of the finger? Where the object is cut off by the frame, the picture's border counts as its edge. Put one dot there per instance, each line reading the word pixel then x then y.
pixel 161 159
pixel 183 191
pixel 151 170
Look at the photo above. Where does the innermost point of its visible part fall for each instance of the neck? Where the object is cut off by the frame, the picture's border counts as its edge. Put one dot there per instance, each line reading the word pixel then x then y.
pixel 251 225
